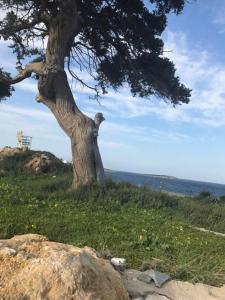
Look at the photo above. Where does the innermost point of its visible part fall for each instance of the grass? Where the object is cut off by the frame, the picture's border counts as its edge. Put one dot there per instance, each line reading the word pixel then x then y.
pixel 148 228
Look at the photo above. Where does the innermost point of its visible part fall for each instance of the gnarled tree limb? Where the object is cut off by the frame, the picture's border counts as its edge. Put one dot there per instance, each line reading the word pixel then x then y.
pixel 35 67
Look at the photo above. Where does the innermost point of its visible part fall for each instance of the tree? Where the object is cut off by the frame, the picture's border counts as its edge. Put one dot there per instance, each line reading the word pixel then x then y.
pixel 116 41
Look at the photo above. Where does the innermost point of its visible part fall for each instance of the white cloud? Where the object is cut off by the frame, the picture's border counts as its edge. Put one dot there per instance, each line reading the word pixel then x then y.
pixel 197 70
pixel 164 136
pixel 205 77
pixel 25 112
pixel 144 134
pixel 190 63
pixel 217 12
pixel 28 85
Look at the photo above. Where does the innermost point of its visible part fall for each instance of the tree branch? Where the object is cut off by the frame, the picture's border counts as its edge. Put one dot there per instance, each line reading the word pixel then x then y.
pixel 48 102
pixel 98 120
pixel 35 67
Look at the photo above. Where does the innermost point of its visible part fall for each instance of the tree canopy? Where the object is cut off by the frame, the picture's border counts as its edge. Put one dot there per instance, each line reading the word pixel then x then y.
pixel 115 41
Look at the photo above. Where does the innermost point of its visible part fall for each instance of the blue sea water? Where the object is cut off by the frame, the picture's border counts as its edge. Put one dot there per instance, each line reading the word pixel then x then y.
pixel 171 184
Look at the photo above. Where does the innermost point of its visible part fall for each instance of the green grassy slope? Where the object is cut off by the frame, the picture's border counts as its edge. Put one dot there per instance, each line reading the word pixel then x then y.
pixel 145 227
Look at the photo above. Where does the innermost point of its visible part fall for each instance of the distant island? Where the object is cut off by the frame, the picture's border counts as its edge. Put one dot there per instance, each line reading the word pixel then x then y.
pixel 162 176
pixel 152 175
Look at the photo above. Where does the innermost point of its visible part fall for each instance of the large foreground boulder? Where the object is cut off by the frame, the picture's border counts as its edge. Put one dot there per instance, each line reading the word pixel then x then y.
pixel 33 268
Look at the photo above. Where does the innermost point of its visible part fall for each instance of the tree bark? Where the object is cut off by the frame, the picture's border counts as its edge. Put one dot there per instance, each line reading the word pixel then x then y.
pixel 87 163
pixel 82 130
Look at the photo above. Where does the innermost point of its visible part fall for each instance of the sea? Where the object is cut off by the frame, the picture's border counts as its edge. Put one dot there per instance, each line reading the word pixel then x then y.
pixel 168 183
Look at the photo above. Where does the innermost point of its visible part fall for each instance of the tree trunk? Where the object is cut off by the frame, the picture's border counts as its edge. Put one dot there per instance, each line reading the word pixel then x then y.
pixel 55 92
pixel 87 163
pixel 82 130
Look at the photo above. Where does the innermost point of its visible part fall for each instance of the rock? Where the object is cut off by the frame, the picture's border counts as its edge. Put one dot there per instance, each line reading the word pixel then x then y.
pixel 138 283
pixel 135 287
pixel 175 290
pixel 39 163
pixel 178 290
pixel 40 270
pixel 8 151
pixel 156 297
pixel 144 277
pixel 5 251
pixel 159 278
pixel 119 263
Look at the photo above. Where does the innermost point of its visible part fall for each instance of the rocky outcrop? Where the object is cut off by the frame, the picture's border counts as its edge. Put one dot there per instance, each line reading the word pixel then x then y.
pixel 8 151
pixel 30 161
pixel 40 163
pixel 31 267
pixel 172 290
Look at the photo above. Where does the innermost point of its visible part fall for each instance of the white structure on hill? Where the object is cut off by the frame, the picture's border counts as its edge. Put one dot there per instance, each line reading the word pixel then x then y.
pixel 23 142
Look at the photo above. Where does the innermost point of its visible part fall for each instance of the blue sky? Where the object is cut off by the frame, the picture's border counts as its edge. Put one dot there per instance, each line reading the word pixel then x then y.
pixel 142 135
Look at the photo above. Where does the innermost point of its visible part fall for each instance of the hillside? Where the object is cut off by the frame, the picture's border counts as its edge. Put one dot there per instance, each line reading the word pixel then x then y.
pixel 16 161
pixel 148 228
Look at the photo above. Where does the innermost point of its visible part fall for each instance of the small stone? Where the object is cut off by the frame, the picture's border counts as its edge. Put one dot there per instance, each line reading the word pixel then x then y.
pixel 135 287
pixel 159 278
pixel 119 263
pixel 144 277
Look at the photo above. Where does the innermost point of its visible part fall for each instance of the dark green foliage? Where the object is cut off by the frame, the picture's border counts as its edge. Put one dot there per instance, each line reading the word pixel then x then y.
pixel 121 43
pixel 204 194
pixel 168 5
pixel 207 197
pixel 5 89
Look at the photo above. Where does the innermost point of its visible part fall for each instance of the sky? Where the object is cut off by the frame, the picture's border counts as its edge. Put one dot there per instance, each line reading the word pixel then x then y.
pixel 146 135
